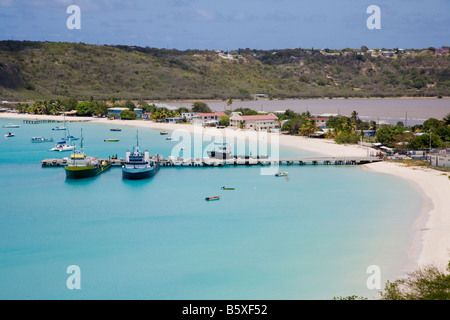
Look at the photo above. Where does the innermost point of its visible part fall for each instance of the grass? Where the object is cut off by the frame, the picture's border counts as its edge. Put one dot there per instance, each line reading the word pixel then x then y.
pixel 47 70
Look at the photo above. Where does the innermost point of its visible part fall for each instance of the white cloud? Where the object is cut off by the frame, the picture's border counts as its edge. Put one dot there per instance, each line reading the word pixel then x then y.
pixel 205 15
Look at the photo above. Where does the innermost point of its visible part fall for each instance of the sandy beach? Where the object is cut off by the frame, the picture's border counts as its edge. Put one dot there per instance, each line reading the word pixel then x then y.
pixel 434 224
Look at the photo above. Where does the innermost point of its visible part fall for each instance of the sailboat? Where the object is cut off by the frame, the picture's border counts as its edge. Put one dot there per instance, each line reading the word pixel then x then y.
pixel 62 146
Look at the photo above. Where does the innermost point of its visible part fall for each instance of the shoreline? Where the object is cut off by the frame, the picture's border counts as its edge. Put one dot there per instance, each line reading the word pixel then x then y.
pixel 431 243
pixel 433 224
pixel 16 101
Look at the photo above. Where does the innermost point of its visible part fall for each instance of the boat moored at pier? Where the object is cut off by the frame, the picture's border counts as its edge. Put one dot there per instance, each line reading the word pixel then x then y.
pixel 80 166
pixel 138 165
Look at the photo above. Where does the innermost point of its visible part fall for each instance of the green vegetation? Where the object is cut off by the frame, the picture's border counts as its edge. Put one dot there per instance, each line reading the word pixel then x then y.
pixel 428 283
pixel 416 137
pixel 52 71
pixel 351 129
pixel 200 107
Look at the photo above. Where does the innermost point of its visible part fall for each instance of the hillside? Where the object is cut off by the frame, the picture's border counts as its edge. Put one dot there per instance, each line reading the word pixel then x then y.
pixel 46 70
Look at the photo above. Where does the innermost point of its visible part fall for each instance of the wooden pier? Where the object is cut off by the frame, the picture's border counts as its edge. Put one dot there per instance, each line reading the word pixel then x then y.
pixel 209 162
pixel 39 121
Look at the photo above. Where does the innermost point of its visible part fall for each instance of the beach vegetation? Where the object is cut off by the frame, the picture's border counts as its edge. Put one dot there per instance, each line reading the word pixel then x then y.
pixel 128 115
pixel 246 111
pixel 224 121
pixel 201 107
pixel 428 283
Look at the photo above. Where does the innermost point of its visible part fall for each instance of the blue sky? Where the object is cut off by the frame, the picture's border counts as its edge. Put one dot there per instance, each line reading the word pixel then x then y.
pixel 231 24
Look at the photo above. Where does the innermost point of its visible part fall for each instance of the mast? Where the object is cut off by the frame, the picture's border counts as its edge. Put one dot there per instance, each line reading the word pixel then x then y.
pixel 81 144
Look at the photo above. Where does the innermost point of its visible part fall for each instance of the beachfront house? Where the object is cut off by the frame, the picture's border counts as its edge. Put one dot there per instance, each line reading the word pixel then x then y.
pixel 265 122
pixel 189 116
pixel 320 122
pixel 208 119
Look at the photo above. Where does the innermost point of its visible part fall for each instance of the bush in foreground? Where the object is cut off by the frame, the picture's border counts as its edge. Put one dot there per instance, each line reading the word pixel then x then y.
pixel 429 283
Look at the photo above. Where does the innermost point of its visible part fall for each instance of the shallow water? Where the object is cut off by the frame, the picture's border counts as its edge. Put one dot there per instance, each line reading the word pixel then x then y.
pixel 310 235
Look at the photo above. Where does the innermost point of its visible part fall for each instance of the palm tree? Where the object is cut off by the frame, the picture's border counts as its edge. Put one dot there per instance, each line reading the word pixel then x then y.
pixel 229 102
pixel 354 117
pixel 447 120
pixel 308 128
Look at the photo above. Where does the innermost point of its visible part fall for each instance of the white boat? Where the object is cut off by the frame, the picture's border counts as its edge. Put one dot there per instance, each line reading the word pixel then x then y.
pixel 62 147
pixel 9 135
pixel 41 139
pixel 221 152
pixel 60 128
pixel 11 126
pixel 63 127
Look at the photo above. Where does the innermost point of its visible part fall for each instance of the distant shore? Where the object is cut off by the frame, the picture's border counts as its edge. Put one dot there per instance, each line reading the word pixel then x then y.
pixel 435 233
pixel 14 101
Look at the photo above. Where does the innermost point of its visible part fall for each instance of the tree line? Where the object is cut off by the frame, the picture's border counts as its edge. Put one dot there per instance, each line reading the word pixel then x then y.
pixel 343 129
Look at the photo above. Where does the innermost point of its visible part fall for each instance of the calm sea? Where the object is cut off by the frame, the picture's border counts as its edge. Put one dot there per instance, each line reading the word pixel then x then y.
pixel 311 235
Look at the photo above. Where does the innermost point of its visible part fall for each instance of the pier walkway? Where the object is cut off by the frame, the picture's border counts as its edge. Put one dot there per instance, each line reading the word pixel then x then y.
pixel 38 121
pixel 210 162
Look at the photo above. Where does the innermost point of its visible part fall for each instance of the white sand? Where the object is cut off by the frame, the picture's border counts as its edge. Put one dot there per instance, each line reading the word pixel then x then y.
pixel 436 188
pixel 435 185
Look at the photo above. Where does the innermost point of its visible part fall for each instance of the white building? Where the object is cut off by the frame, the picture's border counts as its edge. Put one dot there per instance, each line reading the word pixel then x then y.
pixel 440 160
pixel 208 118
pixel 189 116
pixel 257 122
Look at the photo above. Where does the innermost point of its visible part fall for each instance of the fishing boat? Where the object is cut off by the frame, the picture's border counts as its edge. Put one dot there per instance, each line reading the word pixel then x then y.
pixel 9 135
pixel 163 133
pixel 112 140
pixel 138 164
pixel 41 139
pixel 116 129
pixel 80 166
pixel 281 174
pixel 11 126
pixel 212 198
pixel 228 188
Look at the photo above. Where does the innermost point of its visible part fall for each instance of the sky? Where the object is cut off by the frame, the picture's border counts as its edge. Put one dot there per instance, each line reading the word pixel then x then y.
pixel 231 24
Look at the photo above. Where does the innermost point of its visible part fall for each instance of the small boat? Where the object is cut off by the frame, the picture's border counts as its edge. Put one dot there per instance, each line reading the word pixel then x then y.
pixel 212 198
pixel 228 188
pixel 9 135
pixel 116 129
pixel 281 174
pixel 163 133
pixel 41 139
pixel 11 126
pixel 112 140
pixel 169 139
pixel 61 128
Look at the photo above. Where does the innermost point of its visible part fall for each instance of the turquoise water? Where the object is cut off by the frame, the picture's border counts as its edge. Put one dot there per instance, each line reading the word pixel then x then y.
pixel 309 236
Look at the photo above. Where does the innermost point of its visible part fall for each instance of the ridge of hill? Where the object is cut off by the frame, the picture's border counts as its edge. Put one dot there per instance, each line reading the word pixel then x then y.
pixel 49 70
